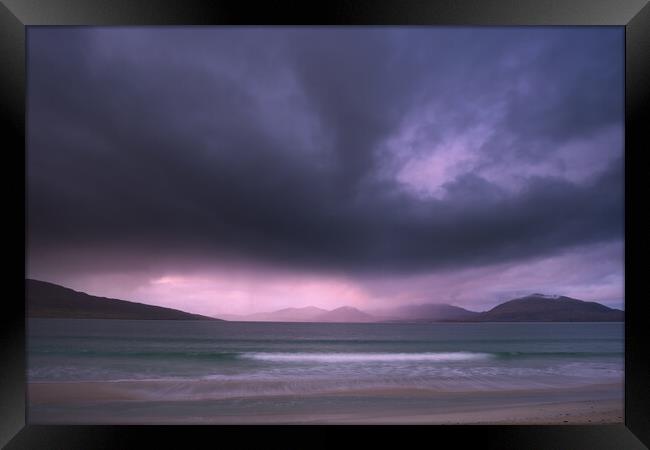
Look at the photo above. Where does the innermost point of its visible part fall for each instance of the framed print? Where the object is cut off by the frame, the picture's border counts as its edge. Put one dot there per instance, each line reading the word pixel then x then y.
pixel 360 217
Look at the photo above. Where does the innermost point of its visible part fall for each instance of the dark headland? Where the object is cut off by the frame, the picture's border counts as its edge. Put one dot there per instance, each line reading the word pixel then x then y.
pixel 48 300
pixel 544 308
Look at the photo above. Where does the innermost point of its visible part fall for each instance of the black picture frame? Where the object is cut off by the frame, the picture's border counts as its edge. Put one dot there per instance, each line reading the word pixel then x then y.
pixel 16 15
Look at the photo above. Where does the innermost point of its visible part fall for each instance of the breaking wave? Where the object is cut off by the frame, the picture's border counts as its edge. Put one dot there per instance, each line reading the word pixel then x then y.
pixel 366 357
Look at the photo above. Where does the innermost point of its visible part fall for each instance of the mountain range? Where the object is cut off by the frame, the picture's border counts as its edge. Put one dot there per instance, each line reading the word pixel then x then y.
pixel 48 300
pixel 531 308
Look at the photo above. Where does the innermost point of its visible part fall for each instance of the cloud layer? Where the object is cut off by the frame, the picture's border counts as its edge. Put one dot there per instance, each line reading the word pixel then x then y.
pixel 391 151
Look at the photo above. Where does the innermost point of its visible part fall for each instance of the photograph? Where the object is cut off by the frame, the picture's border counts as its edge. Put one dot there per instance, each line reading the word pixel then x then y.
pixel 325 225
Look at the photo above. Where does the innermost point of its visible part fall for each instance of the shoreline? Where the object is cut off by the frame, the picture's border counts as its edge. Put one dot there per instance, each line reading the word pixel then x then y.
pixel 109 403
pixel 132 390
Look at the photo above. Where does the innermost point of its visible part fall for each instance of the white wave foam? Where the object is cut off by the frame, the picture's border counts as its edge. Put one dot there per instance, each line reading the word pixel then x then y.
pixel 366 357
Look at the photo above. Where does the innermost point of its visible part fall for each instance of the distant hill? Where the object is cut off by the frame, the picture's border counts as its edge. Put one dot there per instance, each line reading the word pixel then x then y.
pixel 428 312
pixel 545 308
pixel 306 314
pixel 345 314
pixel 48 300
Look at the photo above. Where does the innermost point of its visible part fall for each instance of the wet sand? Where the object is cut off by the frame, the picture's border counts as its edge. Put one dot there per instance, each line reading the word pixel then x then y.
pixel 123 403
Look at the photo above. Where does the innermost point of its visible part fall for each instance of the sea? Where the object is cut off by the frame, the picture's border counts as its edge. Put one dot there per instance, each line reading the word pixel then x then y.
pixel 229 362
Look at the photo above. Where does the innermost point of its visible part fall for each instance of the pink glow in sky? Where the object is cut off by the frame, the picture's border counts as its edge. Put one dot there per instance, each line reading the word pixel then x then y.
pixel 246 292
pixel 249 289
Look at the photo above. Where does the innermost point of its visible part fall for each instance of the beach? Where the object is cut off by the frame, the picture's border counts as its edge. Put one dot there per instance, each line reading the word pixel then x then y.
pixel 121 403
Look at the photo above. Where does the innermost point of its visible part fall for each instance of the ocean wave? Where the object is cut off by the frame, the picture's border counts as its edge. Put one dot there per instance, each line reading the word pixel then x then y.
pixel 365 357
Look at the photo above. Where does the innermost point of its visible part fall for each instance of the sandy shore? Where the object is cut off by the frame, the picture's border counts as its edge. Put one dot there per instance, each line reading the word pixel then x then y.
pixel 121 403
pixel 587 412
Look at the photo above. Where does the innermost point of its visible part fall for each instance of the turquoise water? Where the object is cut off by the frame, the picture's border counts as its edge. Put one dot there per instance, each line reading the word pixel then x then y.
pixel 238 359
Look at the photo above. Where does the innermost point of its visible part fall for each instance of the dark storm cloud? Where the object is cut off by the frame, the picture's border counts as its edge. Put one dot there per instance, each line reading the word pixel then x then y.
pixel 272 144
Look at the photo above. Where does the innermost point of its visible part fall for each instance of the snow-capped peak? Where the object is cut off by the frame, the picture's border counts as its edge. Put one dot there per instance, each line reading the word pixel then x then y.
pixel 553 296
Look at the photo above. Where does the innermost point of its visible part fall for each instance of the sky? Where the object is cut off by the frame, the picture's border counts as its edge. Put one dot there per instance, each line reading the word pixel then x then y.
pixel 233 170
